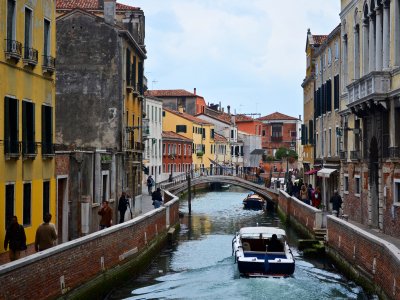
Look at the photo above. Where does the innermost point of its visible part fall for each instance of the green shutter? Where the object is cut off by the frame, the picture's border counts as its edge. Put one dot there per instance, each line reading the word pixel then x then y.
pixel 24 129
pixel 7 125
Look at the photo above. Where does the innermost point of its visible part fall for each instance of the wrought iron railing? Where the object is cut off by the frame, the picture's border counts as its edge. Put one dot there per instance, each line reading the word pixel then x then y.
pixel 48 149
pixel 30 56
pixel 49 63
pixel 29 148
pixel 343 155
pixel 355 155
pixel 13 49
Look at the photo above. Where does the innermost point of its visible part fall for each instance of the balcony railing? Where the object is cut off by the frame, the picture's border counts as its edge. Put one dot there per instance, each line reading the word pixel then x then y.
pixel 12 148
pixel 13 49
pixel 132 145
pixel 343 155
pixel 377 82
pixel 355 155
pixel 276 138
pixel 49 64
pixel 30 56
pixel 394 152
pixel 29 148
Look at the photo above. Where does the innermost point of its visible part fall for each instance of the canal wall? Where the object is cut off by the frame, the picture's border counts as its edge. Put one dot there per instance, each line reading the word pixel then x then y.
pixel 91 264
pixel 307 218
pixel 370 261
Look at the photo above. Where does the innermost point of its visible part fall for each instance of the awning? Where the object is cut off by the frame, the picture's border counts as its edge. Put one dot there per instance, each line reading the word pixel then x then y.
pixel 311 172
pixel 325 172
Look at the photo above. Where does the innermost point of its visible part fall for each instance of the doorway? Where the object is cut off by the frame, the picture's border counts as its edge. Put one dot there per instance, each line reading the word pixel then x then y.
pixel 62 209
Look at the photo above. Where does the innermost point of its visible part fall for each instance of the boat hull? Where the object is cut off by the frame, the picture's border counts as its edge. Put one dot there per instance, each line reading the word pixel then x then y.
pixel 262 269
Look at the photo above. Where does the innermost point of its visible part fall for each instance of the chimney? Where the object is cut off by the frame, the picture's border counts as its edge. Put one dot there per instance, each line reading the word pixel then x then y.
pixel 300 117
pixel 229 109
pixel 220 108
pixel 109 11
pixel 194 91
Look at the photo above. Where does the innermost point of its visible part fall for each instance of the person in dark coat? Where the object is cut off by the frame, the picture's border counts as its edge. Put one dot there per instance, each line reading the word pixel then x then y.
pixel 274 245
pixel 336 201
pixel 15 239
pixel 157 198
pixel 123 205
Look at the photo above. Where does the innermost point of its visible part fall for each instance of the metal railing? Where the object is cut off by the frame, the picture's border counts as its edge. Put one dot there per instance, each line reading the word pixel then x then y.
pixel 29 148
pixel 13 49
pixel 49 63
pixel 30 56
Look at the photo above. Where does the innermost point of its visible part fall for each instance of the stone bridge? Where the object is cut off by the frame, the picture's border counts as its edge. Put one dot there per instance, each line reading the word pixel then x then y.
pixel 181 184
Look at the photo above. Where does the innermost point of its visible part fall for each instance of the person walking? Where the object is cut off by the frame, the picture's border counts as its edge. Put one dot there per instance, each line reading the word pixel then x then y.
pixel 317 197
pixel 46 235
pixel 304 194
pixel 157 198
pixel 150 183
pixel 123 205
pixel 15 239
pixel 106 215
pixel 336 201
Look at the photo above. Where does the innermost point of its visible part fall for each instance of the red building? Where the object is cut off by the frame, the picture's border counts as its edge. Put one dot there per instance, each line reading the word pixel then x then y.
pixel 248 125
pixel 177 153
pixel 278 131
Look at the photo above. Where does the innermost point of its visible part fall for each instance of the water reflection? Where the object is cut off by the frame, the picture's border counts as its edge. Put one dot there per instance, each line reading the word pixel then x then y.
pixel 201 265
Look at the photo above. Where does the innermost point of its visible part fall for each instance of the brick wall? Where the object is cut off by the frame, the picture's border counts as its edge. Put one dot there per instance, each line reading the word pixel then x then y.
pixel 62 164
pixel 38 276
pixel 376 259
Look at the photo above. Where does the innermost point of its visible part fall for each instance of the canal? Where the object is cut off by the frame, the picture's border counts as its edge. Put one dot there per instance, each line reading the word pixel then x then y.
pixel 201 265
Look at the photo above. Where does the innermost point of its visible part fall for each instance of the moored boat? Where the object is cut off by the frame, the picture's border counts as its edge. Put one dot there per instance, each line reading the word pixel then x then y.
pixel 254 201
pixel 262 251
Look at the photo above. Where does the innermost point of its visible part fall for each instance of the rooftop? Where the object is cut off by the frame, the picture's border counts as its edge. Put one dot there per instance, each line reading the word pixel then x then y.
pixel 170 93
pixel 170 135
pixel 90 5
pixel 277 116
pixel 187 116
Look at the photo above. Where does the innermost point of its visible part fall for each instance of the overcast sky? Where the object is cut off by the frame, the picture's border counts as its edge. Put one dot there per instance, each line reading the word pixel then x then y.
pixel 249 54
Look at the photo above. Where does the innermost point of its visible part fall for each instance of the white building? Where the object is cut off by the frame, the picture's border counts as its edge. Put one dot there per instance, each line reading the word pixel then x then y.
pixel 153 145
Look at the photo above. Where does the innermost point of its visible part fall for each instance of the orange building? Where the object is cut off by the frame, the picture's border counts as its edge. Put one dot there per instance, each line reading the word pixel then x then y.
pixel 248 125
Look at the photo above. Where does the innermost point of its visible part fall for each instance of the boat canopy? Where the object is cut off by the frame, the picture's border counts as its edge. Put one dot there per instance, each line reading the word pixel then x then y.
pixel 266 232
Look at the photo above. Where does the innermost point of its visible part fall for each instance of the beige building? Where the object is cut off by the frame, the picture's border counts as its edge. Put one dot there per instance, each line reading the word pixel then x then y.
pixel 326 112
pixel 370 109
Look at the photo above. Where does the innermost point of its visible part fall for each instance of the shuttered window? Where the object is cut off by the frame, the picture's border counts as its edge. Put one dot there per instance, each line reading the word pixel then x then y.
pixel 181 128
pixel 336 92
pixel 303 134
pixel 46 197
pixel 329 95
pixel 28 128
pixel 311 132
pixel 11 144
pixel 47 130
pixel 27 204
pixel 128 67
pixel 134 73
pixel 140 77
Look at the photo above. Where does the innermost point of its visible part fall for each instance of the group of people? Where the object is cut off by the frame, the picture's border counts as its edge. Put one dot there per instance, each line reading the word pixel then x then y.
pixel 15 239
pixel 156 196
pixel 311 196
pixel 106 211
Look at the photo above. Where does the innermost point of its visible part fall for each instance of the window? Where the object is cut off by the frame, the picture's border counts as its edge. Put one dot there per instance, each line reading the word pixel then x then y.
pixel 311 132
pixel 133 74
pixel 163 149
pixel 46 197
pixel 28 31
pixel 140 78
pixel 357 188
pixel 346 183
pixel 396 194
pixel 336 50
pixel 184 150
pixel 10 204
pixel 336 92
pixel 276 131
pixel 174 150
pixel 47 130
pixel 105 195
pixel 169 149
pixel 212 133
pixel 11 145
pixel 159 115
pixel 181 128
pixel 329 56
pixel 179 150
pixel 46 41
pixel 337 141
pixel 163 167
pixel 128 68
pixel 330 142
pixel 27 204
pixel 10 23
pixel 263 133
pixel 28 128
pixel 203 133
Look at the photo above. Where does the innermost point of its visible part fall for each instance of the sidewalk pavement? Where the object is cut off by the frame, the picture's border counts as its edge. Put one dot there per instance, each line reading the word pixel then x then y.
pixel 146 202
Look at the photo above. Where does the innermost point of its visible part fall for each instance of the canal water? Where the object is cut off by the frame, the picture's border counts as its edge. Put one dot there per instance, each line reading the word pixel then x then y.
pixel 201 265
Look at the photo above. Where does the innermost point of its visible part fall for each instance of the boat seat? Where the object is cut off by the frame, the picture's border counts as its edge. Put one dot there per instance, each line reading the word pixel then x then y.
pixel 246 246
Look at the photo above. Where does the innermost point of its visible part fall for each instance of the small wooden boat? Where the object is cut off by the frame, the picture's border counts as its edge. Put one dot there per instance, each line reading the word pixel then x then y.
pixel 254 201
pixel 225 186
pixel 262 252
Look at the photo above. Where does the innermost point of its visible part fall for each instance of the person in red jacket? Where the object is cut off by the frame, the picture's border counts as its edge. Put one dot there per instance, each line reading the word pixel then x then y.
pixel 106 215
pixel 317 197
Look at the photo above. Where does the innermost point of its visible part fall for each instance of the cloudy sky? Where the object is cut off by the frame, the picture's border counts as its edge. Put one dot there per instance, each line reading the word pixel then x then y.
pixel 249 54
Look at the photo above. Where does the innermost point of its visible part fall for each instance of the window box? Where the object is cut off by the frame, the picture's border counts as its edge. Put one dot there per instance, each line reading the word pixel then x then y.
pixel 200 153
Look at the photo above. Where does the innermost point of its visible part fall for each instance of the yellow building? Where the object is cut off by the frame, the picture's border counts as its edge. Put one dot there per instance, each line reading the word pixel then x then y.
pixel 27 92
pixel 198 130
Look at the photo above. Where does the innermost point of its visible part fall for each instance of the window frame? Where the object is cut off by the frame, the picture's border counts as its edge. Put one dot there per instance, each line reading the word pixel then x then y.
pixel 346 183
pixel 357 185
pixel 396 192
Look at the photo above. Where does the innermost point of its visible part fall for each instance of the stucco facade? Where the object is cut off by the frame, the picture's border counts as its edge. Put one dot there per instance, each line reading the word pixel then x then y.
pixel 27 93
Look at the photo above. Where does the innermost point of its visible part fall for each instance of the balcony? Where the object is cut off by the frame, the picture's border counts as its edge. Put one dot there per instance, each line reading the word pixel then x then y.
pixel 367 92
pixel 276 139
pixel 199 153
pixel 12 149
pixel 394 152
pixel 13 50
pixel 131 145
pixel 343 155
pixel 355 155
pixel 49 64
pixel 29 149
pixel 30 57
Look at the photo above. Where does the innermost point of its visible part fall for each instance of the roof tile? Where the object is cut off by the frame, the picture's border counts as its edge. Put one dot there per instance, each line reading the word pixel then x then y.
pixel 276 116
pixel 89 5
pixel 187 116
pixel 170 93
pixel 175 136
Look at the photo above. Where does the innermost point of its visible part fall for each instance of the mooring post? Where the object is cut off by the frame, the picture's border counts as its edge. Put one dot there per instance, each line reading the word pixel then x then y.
pixel 190 194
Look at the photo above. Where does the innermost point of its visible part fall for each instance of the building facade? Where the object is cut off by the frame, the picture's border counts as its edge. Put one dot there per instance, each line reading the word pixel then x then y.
pixel 247 124
pixel 153 139
pixel 176 154
pixel 326 114
pixel 199 131
pixel 100 91
pixel 27 92
pixel 370 110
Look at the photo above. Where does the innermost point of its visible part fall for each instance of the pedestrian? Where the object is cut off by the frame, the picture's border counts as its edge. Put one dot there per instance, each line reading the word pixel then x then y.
pixel 150 183
pixel 157 198
pixel 317 197
pixel 304 194
pixel 310 191
pixel 123 205
pixel 46 234
pixel 336 201
pixel 106 215
pixel 15 239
